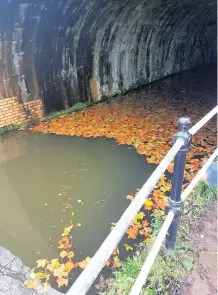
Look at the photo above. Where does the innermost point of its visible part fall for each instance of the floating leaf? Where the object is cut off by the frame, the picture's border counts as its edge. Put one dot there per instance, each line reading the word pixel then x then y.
pixel 69 265
pixel 62 281
pixel 31 284
pixel 128 247
pixel 60 271
pixel 84 263
pixel 54 263
pixel 41 275
pixel 130 197
pixel 41 262
pixel 63 254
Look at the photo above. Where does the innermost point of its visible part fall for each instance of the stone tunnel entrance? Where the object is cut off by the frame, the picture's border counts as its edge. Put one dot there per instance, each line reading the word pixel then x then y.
pixel 55 53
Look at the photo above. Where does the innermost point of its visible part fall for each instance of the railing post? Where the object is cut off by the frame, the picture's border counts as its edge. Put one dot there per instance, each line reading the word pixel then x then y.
pixel 175 202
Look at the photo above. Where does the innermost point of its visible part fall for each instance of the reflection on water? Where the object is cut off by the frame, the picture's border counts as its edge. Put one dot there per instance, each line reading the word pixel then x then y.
pixel 13 274
pixel 44 183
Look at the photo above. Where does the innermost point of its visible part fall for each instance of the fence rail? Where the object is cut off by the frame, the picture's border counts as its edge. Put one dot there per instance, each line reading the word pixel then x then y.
pixel 88 276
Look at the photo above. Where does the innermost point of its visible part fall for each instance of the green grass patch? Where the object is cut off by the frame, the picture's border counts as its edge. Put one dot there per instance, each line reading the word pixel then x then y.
pixel 170 267
pixel 78 106
pixel 12 127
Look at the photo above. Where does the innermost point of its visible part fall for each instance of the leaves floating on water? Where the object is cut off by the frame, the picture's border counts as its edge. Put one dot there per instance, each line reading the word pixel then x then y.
pixel 41 262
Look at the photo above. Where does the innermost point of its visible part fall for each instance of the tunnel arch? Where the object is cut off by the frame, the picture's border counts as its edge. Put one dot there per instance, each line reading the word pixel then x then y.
pixel 87 50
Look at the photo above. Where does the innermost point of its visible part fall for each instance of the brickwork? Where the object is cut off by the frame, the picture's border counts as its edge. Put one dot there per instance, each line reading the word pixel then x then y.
pixel 13 112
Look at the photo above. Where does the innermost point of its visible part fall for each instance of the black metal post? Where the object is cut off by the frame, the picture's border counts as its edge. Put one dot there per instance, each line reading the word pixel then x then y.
pixel 175 202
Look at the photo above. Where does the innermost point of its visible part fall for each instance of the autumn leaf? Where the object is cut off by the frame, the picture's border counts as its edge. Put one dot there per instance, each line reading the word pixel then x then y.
pixel 69 228
pixel 54 263
pixel 41 262
pixel 60 271
pixel 41 275
pixel 145 223
pixel 116 251
pixel 140 215
pixel 128 247
pixel 116 263
pixel 108 262
pixel 130 197
pixel 84 263
pixel 69 265
pixel 70 254
pixel 63 254
pixel 31 284
pixel 62 281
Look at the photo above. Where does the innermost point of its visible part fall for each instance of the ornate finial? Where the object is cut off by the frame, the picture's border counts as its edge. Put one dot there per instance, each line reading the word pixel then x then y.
pixel 184 123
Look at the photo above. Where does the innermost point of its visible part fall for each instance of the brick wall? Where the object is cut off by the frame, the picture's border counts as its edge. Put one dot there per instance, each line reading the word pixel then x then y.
pixel 13 112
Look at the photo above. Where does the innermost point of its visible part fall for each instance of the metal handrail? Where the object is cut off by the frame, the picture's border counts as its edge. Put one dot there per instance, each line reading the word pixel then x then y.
pixel 90 273
pixel 143 275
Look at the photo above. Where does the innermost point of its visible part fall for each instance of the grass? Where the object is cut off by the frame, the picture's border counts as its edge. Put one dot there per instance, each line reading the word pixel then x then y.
pixel 78 106
pixel 12 127
pixel 170 267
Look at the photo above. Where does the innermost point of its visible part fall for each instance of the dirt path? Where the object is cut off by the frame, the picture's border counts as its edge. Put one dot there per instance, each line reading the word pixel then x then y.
pixel 203 281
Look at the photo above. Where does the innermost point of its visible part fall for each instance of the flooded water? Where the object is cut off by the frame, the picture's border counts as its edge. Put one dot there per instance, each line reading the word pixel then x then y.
pixel 44 178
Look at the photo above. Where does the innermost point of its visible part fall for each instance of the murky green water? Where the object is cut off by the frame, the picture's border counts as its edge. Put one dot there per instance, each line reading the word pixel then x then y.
pixel 49 173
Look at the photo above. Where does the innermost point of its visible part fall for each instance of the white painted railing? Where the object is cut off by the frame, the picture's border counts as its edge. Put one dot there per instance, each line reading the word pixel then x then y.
pixel 90 273
pixel 142 277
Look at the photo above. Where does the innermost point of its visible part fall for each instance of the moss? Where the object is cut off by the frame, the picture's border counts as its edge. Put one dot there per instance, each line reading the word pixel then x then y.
pixel 78 106
pixel 12 127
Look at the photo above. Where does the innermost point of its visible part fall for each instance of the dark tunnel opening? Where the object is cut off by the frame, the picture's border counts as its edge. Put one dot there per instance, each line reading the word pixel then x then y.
pixel 70 51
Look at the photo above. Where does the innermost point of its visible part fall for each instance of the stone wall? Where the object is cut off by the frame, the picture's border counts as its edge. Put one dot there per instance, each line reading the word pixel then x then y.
pixel 12 147
pixel 70 51
pixel 13 112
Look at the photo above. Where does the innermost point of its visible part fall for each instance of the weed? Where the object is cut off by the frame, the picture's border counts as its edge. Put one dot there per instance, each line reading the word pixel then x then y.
pixel 12 127
pixel 78 106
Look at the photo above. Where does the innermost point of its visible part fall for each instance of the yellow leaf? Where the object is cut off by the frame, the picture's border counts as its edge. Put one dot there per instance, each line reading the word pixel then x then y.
pixel 128 247
pixel 73 213
pixel 70 254
pixel 69 228
pixel 41 275
pixel 63 254
pixel 31 284
pixel 148 203
pixel 54 263
pixel 41 262
pixel 61 282
pixel 130 197
pixel 84 263
pixel 69 265
pixel 65 233
pixel 60 271
pixel 140 215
